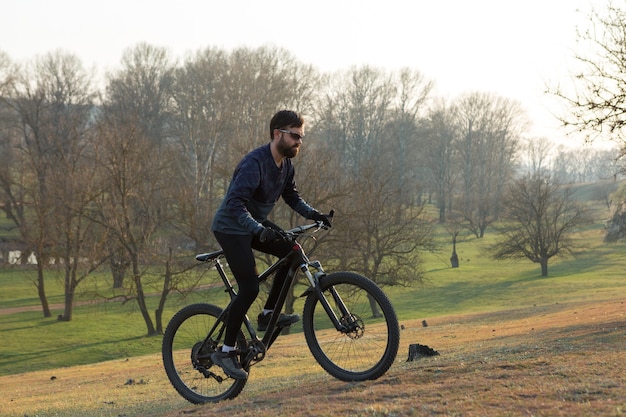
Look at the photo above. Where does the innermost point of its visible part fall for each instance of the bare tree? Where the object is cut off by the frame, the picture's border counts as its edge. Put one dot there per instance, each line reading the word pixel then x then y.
pixel 51 100
pixel 257 82
pixel 357 111
pixel 455 224
pixel 541 216
pixel 134 165
pixel 76 240
pixel 564 165
pixel 407 141
pixel 596 97
pixel 382 237
pixel 7 73
pixel 8 138
pixel 48 180
pixel 131 210
pixel 379 231
pixel 25 182
pixel 199 127
pixel 139 94
pixel 141 89
pixel 440 155
pixel 536 155
pixel 490 128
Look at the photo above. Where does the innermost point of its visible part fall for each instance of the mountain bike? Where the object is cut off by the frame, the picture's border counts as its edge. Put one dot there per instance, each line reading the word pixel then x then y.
pixel 348 322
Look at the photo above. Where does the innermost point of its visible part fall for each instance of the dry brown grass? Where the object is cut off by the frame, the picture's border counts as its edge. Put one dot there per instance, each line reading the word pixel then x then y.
pixel 559 360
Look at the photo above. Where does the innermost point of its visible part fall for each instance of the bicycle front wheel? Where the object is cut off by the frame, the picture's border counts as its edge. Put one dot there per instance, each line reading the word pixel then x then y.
pixel 187 353
pixel 368 345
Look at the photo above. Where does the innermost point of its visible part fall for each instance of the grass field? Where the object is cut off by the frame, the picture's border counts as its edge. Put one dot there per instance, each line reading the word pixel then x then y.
pixel 511 343
pixel 100 332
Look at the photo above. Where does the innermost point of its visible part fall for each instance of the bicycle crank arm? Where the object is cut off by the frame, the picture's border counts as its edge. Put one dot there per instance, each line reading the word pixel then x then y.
pixel 256 353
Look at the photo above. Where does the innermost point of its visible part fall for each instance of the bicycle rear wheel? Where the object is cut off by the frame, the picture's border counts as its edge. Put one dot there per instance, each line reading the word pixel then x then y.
pixel 187 356
pixel 369 345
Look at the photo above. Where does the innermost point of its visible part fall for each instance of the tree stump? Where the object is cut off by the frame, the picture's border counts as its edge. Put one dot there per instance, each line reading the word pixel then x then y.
pixel 417 351
pixel 454 260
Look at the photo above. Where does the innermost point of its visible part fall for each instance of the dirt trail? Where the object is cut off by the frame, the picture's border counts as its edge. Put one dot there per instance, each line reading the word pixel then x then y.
pixel 23 309
pixel 53 307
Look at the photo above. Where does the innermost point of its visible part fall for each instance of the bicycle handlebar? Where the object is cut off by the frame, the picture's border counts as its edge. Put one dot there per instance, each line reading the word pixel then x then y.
pixel 292 234
pixel 297 231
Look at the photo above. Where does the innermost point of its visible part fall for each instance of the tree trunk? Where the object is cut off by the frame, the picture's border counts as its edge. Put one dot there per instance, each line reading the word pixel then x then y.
pixel 158 313
pixel 118 270
pixel 158 317
pixel 442 211
pixel 141 299
pixel 454 260
pixel 69 302
pixel 42 291
pixel 544 267
pixel 374 306
pixel 70 290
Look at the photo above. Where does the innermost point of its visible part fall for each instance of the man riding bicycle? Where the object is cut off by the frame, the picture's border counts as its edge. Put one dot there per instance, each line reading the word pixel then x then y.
pixel 240 225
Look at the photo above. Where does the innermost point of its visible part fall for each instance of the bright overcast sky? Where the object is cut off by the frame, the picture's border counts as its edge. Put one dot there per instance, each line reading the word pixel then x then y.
pixel 507 47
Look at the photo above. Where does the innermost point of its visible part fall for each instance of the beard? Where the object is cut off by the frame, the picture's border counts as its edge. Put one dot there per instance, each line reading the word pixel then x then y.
pixel 286 149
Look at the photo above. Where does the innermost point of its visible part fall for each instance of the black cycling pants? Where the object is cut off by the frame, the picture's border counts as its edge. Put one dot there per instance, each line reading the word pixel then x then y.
pixel 240 258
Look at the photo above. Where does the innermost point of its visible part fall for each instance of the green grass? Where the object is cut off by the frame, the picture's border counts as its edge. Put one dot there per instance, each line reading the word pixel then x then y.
pixel 19 290
pixel 481 284
pixel 18 287
pixel 38 343
pixel 100 332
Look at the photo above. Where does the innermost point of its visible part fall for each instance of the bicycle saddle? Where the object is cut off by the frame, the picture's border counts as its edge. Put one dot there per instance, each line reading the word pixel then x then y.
pixel 209 256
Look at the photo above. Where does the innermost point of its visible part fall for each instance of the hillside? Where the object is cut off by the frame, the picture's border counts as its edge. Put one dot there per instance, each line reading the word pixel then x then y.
pixel 511 343
pixel 557 360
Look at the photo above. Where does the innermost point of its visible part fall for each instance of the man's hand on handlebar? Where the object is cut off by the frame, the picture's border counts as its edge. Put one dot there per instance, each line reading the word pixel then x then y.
pixel 324 218
pixel 270 235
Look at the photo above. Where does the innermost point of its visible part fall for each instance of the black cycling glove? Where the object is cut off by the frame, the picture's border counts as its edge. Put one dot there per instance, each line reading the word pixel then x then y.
pixel 270 235
pixel 324 218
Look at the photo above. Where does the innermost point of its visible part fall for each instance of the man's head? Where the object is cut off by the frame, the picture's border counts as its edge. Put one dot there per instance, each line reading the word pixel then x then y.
pixel 287 129
pixel 285 119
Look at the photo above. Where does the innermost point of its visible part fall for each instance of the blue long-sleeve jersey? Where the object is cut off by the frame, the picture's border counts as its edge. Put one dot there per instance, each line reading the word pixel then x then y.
pixel 253 192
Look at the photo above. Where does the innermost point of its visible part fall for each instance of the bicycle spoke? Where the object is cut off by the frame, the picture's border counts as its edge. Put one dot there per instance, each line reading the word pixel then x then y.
pixel 186 357
pixel 369 345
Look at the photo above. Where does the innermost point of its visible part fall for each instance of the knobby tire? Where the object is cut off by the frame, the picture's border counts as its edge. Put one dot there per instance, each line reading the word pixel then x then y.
pixel 187 361
pixel 366 351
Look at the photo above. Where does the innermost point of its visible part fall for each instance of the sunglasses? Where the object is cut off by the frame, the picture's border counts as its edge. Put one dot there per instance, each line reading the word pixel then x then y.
pixel 294 135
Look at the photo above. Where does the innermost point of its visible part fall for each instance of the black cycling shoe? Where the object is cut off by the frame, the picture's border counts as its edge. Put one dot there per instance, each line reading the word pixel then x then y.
pixel 284 320
pixel 229 363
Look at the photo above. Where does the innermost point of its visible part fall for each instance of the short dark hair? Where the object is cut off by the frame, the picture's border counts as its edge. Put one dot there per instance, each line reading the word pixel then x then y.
pixel 285 118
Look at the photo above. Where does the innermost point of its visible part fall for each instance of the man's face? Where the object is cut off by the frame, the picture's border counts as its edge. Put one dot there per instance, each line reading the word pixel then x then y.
pixel 290 140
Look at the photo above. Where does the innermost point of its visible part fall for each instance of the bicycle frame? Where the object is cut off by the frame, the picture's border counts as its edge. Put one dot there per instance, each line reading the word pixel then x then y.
pixel 297 259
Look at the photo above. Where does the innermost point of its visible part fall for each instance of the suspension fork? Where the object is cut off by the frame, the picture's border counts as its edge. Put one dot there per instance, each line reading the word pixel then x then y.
pixel 314 280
